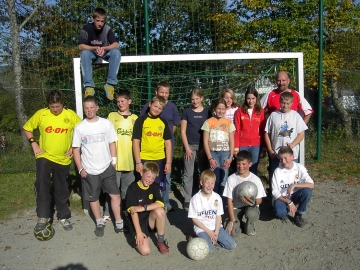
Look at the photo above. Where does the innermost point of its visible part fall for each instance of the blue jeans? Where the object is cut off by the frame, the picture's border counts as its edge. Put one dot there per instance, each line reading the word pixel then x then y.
pixel 225 240
pixel 255 152
pixel 220 172
pixel 301 198
pixel 87 57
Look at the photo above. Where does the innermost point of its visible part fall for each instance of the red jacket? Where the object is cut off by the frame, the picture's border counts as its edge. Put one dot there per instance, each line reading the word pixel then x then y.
pixel 249 132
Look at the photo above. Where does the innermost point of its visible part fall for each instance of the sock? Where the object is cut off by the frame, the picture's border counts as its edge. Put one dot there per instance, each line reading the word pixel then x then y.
pixel 119 224
pixel 99 221
pixel 161 238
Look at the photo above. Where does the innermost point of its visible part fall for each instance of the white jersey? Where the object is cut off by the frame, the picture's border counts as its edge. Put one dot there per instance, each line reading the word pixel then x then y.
pixel 283 128
pixel 94 138
pixel 234 180
pixel 205 210
pixel 283 178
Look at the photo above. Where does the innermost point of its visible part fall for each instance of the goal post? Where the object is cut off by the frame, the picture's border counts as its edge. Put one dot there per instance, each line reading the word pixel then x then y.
pixel 297 56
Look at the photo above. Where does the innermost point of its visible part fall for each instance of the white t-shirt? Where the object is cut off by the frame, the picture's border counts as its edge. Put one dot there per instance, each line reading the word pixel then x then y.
pixel 205 210
pixel 234 180
pixel 283 178
pixel 94 139
pixel 283 128
pixel 229 114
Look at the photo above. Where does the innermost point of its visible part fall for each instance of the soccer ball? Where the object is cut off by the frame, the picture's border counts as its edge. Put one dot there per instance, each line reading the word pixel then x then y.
pixel 248 190
pixel 46 234
pixel 197 249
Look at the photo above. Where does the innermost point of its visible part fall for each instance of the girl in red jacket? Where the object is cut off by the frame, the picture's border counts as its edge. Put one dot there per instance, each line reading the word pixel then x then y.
pixel 250 122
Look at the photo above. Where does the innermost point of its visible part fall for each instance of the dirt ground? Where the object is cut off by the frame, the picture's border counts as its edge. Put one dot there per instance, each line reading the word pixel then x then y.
pixel 330 240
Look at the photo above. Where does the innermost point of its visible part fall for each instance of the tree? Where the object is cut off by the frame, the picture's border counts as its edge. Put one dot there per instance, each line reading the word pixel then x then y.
pixel 19 15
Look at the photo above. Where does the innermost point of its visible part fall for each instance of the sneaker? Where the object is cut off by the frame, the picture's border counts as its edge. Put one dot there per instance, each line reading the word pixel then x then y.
pixel 250 228
pixel 41 223
pixel 65 223
pixel 284 219
pixel 89 91
pixel 99 230
pixel 186 206
pixel 119 230
pixel 299 221
pixel 169 208
pixel 163 247
pixel 109 91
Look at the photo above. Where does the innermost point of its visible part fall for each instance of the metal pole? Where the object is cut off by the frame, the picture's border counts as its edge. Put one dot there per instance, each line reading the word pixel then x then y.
pixel 147 43
pixel 320 75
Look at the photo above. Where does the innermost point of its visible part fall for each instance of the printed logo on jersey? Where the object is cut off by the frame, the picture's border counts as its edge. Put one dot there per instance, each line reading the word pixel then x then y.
pixel 133 121
pixel 66 120
pixel 216 203
pixel 96 42
pixel 160 128
pixel 284 131
pixel 51 129
pixel 151 196
pixel 94 138
pixel 210 214
pixel 296 176
pixel 154 134
pixel 124 132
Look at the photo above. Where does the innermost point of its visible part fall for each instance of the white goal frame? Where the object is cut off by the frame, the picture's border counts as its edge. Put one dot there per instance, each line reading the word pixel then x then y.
pixel 197 57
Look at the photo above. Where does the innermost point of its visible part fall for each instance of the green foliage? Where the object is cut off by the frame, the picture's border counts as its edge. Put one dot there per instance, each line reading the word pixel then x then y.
pixel 8 121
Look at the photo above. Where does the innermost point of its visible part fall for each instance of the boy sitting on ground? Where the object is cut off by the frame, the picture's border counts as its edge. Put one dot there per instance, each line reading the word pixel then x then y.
pixel 205 210
pixel 291 186
pixel 145 204
pixel 235 205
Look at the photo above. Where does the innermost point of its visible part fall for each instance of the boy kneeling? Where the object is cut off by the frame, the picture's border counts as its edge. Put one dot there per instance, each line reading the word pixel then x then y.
pixel 145 204
pixel 205 210
pixel 251 212
pixel 291 186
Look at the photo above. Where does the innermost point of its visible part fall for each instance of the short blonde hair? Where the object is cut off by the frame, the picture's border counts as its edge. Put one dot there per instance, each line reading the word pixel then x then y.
pixel 159 99
pixel 152 167
pixel 207 175
pixel 286 96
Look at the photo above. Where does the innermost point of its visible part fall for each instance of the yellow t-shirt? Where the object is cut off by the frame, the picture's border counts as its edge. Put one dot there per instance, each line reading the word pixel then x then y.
pixel 124 130
pixel 56 133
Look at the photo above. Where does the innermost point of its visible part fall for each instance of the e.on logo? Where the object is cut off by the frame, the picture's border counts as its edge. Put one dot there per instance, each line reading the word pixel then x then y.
pixel 155 134
pixel 50 129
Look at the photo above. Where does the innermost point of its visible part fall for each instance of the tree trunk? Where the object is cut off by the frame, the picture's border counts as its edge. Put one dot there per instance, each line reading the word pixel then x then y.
pixel 16 52
pixel 344 115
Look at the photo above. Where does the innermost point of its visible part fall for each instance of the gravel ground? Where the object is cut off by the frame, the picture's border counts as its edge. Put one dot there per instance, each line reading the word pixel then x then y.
pixel 330 240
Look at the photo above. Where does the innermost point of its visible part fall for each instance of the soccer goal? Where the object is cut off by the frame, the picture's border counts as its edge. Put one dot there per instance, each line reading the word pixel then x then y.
pixel 209 72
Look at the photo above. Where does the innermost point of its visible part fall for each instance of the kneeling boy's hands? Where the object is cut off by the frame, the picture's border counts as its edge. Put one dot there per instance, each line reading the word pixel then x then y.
pixel 140 239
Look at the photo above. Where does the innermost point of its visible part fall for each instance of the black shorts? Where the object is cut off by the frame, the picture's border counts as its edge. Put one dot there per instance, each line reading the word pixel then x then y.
pixel 93 184
pixel 145 228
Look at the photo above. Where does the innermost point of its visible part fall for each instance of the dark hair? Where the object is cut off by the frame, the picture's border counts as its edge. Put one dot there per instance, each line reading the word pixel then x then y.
pixel 286 95
pixel 99 12
pixel 251 90
pixel 91 99
pixel 217 102
pixel 162 84
pixel 55 96
pixel 243 155
pixel 285 150
pixel 196 92
pixel 123 93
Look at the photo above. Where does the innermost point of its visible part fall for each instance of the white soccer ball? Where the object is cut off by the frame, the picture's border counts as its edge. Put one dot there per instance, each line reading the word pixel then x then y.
pixel 197 249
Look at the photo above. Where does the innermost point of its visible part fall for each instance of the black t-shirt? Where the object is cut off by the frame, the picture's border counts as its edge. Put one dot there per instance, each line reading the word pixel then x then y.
pixel 195 120
pixel 101 38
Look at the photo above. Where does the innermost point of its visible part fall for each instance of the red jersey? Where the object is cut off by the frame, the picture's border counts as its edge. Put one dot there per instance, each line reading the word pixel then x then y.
pixel 249 130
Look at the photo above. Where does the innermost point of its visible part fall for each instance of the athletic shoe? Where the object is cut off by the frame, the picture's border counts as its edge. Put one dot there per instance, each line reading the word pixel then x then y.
pixel 186 206
pixel 250 228
pixel 89 91
pixel 65 223
pixel 299 221
pixel 99 230
pixel 41 224
pixel 163 247
pixel 119 230
pixel 109 91
pixel 169 208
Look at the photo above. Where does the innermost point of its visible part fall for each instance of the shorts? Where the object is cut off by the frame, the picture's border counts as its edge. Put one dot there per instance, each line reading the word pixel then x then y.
pixel 93 184
pixel 145 228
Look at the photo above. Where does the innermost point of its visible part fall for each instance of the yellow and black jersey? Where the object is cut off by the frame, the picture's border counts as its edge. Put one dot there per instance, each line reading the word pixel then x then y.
pixel 152 133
